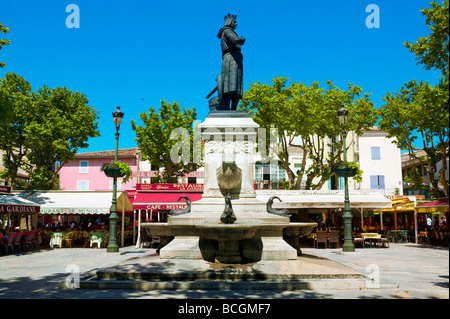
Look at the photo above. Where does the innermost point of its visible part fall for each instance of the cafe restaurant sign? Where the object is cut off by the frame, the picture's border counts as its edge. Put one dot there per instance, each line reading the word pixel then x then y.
pixel 18 209
pixel 166 206
pixel 5 189
pixel 170 187
pixel 157 173
pixel 83 211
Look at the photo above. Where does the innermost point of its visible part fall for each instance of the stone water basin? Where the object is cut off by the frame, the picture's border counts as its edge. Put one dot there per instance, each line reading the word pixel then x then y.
pixel 225 232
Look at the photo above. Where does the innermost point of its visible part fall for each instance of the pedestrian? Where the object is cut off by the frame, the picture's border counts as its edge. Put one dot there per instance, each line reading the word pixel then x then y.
pixel 429 221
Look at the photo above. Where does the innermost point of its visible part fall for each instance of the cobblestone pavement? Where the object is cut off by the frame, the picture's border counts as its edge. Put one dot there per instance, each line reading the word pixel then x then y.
pixel 403 271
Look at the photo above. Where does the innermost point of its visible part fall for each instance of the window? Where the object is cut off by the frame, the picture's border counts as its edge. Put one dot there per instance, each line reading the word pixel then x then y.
pixel 84 166
pixel 377 182
pixel 83 185
pixel 375 152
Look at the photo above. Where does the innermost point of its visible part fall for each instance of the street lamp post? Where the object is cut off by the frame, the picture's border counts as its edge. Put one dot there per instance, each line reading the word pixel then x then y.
pixel 348 238
pixel 113 247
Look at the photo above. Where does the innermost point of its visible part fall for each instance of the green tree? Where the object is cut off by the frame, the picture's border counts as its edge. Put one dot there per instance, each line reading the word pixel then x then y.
pixel 432 51
pixel 47 129
pixel 5 113
pixel 160 144
pixel 63 123
pixel 15 96
pixel 420 111
pixel 3 42
pixel 418 114
pixel 308 115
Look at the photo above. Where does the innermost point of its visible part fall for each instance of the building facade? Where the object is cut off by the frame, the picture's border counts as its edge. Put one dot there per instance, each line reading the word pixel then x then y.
pixel 83 172
pixel 380 161
pixel 378 157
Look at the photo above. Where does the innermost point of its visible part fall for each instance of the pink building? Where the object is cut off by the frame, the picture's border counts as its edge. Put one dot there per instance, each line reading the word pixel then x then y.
pixel 83 173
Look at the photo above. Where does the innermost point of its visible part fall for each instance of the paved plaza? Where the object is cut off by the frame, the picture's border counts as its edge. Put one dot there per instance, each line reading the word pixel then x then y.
pixel 403 271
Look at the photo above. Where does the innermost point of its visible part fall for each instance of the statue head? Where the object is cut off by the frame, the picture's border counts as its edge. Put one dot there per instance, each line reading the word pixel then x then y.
pixel 230 20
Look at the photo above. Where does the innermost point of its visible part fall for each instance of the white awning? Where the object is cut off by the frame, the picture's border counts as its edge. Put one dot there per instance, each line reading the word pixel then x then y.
pixel 77 202
pixel 372 199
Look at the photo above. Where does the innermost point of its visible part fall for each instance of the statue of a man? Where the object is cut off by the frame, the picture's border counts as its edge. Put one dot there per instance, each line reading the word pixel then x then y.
pixel 232 68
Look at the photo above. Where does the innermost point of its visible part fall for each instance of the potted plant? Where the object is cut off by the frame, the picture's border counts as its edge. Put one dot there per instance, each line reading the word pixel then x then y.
pixel 117 169
pixel 348 169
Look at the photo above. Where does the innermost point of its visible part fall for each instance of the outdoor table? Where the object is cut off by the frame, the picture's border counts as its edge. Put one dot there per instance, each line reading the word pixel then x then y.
pixel 97 238
pixel 370 237
pixel 56 239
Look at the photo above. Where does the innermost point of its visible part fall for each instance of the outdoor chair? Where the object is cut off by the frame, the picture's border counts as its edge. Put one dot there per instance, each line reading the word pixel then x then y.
pixel 334 238
pixel 146 240
pixel 155 240
pixel 444 237
pixel 67 239
pixel 384 240
pixel 411 236
pixel 358 240
pixel 16 242
pixel 10 243
pixel 403 236
pixel 3 241
pixel 36 240
pixel 321 238
pixel 392 237
pixel 439 240
pixel 422 238
pixel 86 239
pixel 29 243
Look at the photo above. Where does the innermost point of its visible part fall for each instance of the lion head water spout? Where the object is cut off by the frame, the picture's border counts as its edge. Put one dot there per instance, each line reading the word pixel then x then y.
pixel 228 216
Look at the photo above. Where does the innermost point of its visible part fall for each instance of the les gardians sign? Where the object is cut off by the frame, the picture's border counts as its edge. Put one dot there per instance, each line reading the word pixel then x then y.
pixel 18 209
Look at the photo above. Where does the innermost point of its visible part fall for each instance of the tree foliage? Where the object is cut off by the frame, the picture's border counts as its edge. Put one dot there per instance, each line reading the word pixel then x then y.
pixel 310 113
pixel 419 112
pixel 46 130
pixel 432 51
pixel 3 42
pixel 4 111
pixel 156 141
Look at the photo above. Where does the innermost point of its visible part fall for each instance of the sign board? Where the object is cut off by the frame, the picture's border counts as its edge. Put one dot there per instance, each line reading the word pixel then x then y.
pixel 60 211
pixel 18 209
pixel 166 207
pixel 156 174
pixel 5 189
pixel 170 187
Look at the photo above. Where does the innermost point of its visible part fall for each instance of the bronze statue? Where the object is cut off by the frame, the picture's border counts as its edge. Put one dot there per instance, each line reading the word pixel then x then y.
pixel 186 210
pixel 228 216
pixel 279 212
pixel 229 82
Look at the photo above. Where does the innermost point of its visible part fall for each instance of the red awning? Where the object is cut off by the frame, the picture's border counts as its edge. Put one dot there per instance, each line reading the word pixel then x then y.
pixel 440 205
pixel 163 201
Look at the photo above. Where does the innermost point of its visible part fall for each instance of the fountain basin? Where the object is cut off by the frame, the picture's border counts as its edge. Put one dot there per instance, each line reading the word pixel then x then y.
pixel 222 232
pixel 243 241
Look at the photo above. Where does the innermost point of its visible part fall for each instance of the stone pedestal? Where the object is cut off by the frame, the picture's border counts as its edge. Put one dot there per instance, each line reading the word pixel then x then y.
pixel 230 143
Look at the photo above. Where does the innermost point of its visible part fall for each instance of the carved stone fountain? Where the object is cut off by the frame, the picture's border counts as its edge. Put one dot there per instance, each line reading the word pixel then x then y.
pixel 229 224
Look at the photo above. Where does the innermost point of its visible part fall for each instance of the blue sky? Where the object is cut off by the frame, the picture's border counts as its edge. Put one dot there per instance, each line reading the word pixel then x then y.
pixel 135 53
